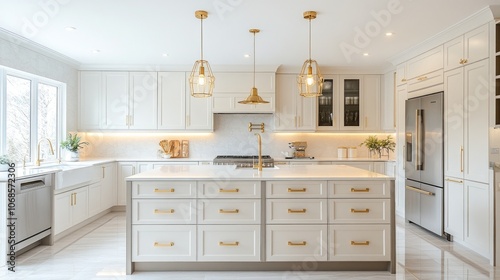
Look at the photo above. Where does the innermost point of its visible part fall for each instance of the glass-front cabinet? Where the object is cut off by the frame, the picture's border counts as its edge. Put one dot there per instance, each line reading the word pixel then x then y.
pixel 351 102
pixel 328 112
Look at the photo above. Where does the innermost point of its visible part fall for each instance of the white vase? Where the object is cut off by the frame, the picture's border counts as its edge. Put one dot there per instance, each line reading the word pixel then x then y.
pixel 71 156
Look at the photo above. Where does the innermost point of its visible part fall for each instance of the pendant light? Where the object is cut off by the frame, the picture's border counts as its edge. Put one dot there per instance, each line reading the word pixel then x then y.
pixel 201 80
pixel 254 97
pixel 310 81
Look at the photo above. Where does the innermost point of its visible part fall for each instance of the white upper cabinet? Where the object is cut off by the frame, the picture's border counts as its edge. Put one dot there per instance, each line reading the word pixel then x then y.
pixel 233 87
pixel 327 114
pixel 115 89
pixel 371 102
pixel 469 48
pixel 171 100
pixel 177 109
pixel 89 116
pixel 143 100
pixel 293 112
pixel 401 74
pixel 427 62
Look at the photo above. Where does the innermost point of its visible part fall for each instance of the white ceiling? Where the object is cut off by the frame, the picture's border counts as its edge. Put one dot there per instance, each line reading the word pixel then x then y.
pixel 133 32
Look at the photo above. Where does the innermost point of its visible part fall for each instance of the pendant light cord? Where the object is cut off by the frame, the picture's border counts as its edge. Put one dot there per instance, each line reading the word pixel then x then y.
pixel 201 22
pixel 310 41
pixel 254 59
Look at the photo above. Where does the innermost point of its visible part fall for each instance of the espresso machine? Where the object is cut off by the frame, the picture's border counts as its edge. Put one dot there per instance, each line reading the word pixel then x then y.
pixel 299 148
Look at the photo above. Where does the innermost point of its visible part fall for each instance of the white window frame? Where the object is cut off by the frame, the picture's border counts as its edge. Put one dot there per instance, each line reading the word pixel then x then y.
pixel 61 107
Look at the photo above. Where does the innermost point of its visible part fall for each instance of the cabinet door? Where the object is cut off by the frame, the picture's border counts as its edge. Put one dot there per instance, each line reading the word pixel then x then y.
pixel 171 100
pixel 95 199
pixel 476 44
pixel 143 100
pixel 387 102
pixel 328 106
pixel 80 209
pixel 62 212
pixel 476 153
pixel 478 209
pixel 306 113
pixel 453 53
pixel 351 102
pixel 285 118
pixel 370 100
pixel 108 186
pixel 125 169
pixel 90 100
pixel 454 123
pixel 116 100
pixel 199 114
pixel 454 208
pixel 401 96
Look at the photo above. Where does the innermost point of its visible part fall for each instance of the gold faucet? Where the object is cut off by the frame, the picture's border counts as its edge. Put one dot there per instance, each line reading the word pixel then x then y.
pixel 259 164
pixel 37 163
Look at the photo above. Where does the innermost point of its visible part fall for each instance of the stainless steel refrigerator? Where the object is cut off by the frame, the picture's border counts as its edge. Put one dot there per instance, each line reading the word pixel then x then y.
pixel 424 162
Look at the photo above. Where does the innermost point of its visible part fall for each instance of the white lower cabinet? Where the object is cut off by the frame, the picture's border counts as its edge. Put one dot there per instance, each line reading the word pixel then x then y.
pixel 359 242
pixel 290 211
pixel 229 211
pixel 70 208
pixel 164 211
pixel 229 243
pixel 163 243
pixel 350 211
pixel 296 243
pixel 95 199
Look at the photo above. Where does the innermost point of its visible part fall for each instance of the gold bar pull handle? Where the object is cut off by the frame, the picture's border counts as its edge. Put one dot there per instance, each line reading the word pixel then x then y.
pixel 360 210
pixel 232 211
pixel 229 190
pixel 303 243
pixel 165 190
pixel 454 181
pixel 158 211
pixel 169 244
pixel 297 190
pixel 364 243
pixel 462 159
pixel 236 243
pixel 297 211
pixel 360 190
pixel 419 190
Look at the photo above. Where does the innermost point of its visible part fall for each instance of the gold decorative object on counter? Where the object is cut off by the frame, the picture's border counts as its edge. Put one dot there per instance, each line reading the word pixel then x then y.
pixel 175 148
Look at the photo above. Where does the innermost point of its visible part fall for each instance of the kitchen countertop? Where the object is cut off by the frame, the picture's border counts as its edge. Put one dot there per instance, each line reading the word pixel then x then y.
pixel 309 172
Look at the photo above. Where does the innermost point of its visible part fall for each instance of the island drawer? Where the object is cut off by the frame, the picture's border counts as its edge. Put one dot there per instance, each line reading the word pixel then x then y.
pixel 229 211
pixel 359 243
pixel 164 189
pixel 229 189
pixel 359 189
pixel 163 243
pixel 359 211
pixel 296 189
pixel 296 243
pixel 296 211
pixel 229 243
pixel 164 211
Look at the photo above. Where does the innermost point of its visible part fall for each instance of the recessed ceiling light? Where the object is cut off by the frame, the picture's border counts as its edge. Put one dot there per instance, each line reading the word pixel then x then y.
pixel 164 54
pixel 96 51
pixel 388 34
pixel 246 55
pixel 365 54
pixel 70 28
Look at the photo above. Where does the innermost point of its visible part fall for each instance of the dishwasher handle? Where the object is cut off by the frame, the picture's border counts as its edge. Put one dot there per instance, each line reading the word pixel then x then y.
pixel 32 184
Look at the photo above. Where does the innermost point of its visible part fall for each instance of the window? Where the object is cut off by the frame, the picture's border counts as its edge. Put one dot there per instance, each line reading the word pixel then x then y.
pixel 33 112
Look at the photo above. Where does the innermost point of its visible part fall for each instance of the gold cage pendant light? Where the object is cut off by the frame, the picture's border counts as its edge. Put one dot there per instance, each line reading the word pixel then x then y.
pixel 310 80
pixel 254 97
pixel 201 79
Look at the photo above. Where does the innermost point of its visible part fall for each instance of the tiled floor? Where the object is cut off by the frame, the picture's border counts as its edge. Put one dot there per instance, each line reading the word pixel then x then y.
pixel 98 252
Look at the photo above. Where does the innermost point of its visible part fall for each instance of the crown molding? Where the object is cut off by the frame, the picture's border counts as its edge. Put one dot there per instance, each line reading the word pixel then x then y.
pixel 33 46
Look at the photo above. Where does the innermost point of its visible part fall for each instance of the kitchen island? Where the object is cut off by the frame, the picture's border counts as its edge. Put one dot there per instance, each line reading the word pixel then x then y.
pixel 293 218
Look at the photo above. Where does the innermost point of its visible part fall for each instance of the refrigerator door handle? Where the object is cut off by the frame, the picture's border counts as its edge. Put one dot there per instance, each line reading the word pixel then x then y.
pixel 419 139
pixel 419 191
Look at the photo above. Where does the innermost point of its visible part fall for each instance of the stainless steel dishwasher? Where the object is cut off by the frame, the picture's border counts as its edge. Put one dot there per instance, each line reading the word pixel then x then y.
pixel 33 210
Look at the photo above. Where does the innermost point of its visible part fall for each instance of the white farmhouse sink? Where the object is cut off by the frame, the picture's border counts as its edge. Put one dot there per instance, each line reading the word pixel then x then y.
pixel 71 174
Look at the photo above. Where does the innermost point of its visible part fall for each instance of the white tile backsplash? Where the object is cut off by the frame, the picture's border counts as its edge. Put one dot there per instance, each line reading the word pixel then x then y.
pixel 230 136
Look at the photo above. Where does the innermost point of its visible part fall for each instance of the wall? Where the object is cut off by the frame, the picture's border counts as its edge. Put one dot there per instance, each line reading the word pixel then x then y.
pixel 14 54
pixel 231 136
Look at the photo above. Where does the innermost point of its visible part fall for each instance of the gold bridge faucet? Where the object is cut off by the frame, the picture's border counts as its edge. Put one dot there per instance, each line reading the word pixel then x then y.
pixel 259 164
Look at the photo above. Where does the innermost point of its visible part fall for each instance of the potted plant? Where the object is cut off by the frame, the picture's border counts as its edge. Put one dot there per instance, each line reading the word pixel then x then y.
pixel 373 145
pixel 4 163
pixel 72 144
pixel 387 144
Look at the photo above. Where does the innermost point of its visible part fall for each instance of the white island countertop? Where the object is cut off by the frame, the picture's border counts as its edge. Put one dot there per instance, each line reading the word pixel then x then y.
pixel 310 172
